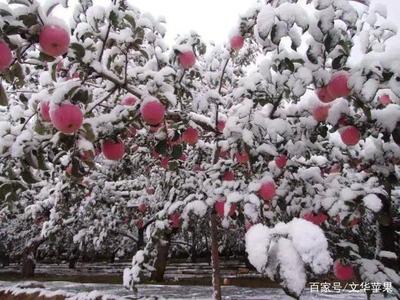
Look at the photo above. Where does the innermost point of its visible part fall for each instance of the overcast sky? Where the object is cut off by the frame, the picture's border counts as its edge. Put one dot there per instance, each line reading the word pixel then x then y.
pixel 214 19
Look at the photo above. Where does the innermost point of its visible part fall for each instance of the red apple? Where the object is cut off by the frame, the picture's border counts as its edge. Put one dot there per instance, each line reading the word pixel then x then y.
pixel 338 85
pixel 174 220
pixel 320 113
pixel 153 112
pixel 142 207
pixel 44 109
pixel 67 118
pixel 267 191
pixel 384 100
pixel 139 223
pixel 223 154
pixel 335 168
pixel 341 271
pixel 129 101
pixel 197 168
pixel 87 155
pixel 68 170
pixel 5 56
pixel 242 157
pixel 281 161
pixel 237 42
pixel 164 162
pixel 324 95
pixel 187 59
pixel 113 150
pixel 316 219
pixel 54 40
pixel 150 190
pixel 220 126
pixel 219 207
pixel 350 135
pixel 228 176
pixel 190 136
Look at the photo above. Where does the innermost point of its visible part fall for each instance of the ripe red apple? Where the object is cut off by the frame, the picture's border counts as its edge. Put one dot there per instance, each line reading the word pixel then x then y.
pixel 316 219
pixel 324 95
pixel 223 154
pixel 67 118
pixel 190 136
pixel 142 207
pixel 175 220
pixel 228 176
pixel 68 170
pixel 197 168
pixel 242 157
pixel 153 112
pixel 219 207
pixel 384 100
pixel 187 59
pixel 5 56
pixel 113 150
pixel 335 168
pixel 44 109
pixel 344 120
pixel 54 40
pixel 248 225
pixel 237 42
pixel 139 223
pixel 164 162
pixel 150 190
pixel 350 135
pixel 220 126
pixel 281 161
pixel 60 66
pixel 338 85
pixel 320 113
pixel 129 101
pixel 267 191
pixel 87 155
pixel 341 271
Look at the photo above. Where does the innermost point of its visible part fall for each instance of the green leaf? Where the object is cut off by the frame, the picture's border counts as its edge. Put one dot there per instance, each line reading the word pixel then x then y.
pixel 80 96
pixel 337 63
pixel 39 127
pixel 131 21
pixel 78 49
pixel 54 72
pixel 161 147
pixel 28 177
pixel 29 20
pixel 45 57
pixel 177 151
pixel 3 96
pixel 89 134
pixel 5 13
pixel 114 18
pixel 144 53
pixel 22 2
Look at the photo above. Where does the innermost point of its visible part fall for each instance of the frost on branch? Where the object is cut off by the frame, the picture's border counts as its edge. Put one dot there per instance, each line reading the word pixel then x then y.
pixel 285 251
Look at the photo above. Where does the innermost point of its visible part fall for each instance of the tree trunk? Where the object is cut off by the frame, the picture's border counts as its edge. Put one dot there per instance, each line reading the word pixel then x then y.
pixel 193 250
pixel 28 265
pixel 28 257
pixel 140 242
pixel 216 278
pixel 387 227
pixel 161 261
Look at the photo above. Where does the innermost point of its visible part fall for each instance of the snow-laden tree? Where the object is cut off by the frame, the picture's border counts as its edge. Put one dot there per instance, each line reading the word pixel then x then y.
pixel 112 142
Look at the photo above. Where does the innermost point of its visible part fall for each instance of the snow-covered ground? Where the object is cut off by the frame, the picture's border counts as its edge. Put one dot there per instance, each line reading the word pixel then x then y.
pixel 190 292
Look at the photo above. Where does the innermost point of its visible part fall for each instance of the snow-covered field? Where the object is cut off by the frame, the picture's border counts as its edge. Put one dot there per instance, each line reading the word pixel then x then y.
pixel 188 292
